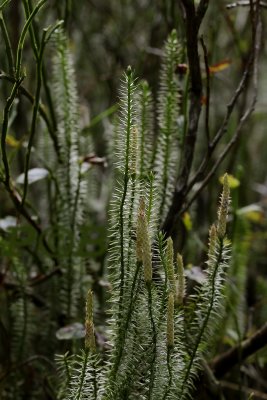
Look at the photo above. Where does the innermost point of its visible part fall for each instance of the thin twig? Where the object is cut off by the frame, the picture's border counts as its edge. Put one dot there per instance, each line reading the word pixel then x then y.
pixel 207 114
pixel 201 10
pixel 182 192
pixel 223 128
pixel 39 61
pixel 193 19
pixel 30 360
pixel 7 109
pixel 249 391
pixel 41 109
pixel 226 361
pixel 46 277
pixel 245 3
pixel 254 60
pixel 9 53
pixel 16 199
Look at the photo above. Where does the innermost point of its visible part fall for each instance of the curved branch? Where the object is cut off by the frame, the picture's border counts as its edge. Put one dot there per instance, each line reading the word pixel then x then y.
pixel 226 361
pixel 193 19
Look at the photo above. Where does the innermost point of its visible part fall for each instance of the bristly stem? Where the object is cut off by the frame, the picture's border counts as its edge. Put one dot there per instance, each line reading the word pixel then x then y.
pixel 125 186
pixel 83 373
pixel 167 137
pixel 154 340
pixel 124 330
pixel 170 372
pixel 206 319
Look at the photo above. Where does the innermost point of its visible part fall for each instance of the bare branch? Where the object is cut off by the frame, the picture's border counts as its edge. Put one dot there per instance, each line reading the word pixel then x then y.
pixel 249 391
pixel 183 188
pixel 254 60
pixel 41 110
pixel 193 19
pixel 201 10
pixel 245 3
pixel 22 364
pixel 16 199
pixel 207 114
pixel 224 362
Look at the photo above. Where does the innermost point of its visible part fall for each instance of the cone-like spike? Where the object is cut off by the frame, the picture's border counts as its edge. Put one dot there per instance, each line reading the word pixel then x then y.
pixel 180 281
pixel 223 208
pixel 170 267
pixel 212 241
pixel 89 324
pixel 133 150
pixel 143 245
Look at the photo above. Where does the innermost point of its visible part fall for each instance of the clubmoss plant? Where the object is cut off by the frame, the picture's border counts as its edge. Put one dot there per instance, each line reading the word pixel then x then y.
pixel 152 359
pixel 156 340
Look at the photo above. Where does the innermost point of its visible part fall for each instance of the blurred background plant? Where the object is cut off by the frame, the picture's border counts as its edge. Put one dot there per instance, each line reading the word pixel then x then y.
pixel 54 230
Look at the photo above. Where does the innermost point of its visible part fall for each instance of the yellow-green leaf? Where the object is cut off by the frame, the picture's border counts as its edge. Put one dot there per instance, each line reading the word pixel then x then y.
pixel 12 142
pixel 187 221
pixel 253 213
pixel 232 181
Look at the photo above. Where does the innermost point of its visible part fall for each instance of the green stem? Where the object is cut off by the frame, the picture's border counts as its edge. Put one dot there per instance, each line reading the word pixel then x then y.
pixel 7 109
pixel 68 9
pixel 39 59
pixel 41 109
pixel 34 40
pixel 94 373
pixel 23 35
pixel 67 369
pixel 2 6
pixel 49 100
pixel 9 52
pixel 82 377
pixel 123 332
pixel 169 366
pixel 34 116
pixel 28 9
